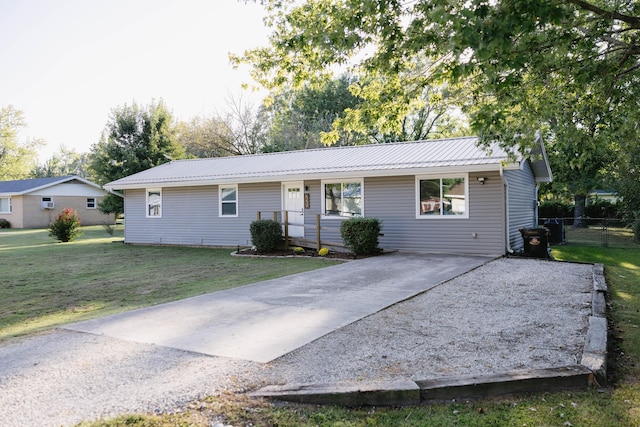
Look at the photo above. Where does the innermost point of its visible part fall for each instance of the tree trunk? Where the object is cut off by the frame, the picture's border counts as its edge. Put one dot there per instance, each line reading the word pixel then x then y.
pixel 579 220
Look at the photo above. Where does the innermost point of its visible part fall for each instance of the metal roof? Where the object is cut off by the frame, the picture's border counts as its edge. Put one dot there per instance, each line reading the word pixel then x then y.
pixel 370 160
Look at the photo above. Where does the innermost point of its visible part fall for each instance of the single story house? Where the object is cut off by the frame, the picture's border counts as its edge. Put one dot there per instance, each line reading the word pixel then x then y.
pixel 35 203
pixel 446 196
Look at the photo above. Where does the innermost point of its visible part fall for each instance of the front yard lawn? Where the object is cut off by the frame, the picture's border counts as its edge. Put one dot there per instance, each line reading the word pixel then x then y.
pixel 45 283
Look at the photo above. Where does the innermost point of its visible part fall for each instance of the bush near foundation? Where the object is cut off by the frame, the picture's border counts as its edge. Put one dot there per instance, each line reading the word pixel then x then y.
pixel 360 235
pixel 4 223
pixel 266 235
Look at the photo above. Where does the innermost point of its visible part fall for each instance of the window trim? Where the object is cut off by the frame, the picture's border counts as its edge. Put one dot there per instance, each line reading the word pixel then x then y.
pixel 220 202
pixel 95 203
pixel 341 181
pixel 418 178
pixel 10 206
pixel 150 190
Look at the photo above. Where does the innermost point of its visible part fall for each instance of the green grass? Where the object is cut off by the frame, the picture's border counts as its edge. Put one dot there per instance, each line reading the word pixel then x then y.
pixel 45 283
pixel 613 237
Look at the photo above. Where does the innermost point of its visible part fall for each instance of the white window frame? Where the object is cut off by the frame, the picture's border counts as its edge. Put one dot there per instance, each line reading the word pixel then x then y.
pixel 95 203
pixel 148 213
pixel 342 181
pixel 221 202
pixel 8 204
pixel 419 178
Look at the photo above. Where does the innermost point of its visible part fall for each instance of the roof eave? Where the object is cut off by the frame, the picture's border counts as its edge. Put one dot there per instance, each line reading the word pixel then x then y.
pixel 304 176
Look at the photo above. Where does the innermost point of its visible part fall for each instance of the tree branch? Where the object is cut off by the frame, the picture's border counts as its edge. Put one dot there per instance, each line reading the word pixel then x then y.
pixel 633 21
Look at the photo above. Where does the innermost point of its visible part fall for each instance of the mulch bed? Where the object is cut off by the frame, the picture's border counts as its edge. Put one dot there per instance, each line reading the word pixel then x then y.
pixel 307 253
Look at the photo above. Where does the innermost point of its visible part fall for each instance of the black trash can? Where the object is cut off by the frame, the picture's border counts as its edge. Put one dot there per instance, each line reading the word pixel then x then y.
pixel 556 231
pixel 536 242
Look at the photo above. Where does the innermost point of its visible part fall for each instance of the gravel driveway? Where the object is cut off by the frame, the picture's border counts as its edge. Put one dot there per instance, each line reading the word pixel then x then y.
pixel 508 314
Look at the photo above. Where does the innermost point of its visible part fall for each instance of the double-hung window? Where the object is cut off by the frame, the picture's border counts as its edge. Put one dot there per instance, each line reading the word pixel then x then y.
pixel 91 202
pixel 342 198
pixel 154 203
pixel 443 196
pixel 5 204
pixel 228 200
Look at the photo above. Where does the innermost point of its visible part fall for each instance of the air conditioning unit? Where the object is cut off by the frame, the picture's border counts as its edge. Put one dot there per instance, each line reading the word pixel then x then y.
pixel 48 205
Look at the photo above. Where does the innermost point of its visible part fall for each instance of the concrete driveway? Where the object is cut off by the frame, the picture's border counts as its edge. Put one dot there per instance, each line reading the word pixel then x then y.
pixel 265 320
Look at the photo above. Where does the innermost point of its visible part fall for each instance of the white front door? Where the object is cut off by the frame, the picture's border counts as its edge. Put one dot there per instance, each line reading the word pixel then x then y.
pixel 293 203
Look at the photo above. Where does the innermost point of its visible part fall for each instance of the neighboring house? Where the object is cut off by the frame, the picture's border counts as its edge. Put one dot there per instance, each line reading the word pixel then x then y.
pixel 447 196
pixel 35 203
pixel 607 195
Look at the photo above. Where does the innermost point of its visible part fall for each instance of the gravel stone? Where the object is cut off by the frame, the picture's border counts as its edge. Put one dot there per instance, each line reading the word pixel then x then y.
pixel 508 314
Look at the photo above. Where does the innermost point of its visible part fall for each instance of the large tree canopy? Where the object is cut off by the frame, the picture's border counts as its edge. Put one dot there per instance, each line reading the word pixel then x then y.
pixel 400 47
pixel 134 139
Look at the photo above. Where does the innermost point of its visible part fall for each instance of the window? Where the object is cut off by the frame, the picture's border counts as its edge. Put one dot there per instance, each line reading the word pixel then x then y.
pixel 5 204
pixel 154 203
pixel 443 196
pixel 342 198
pixel 229 200
pixel 91 203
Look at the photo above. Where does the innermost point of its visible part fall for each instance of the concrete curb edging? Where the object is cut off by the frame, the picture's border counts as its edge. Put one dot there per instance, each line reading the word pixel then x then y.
pixel 590 372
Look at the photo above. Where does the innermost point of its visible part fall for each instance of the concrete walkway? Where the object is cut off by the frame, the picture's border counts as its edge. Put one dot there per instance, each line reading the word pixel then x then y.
pixel 263 321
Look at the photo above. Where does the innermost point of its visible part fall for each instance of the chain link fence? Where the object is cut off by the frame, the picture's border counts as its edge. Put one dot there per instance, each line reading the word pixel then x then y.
pixel 604 232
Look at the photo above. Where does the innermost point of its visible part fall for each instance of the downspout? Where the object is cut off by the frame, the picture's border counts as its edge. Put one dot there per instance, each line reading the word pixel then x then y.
pixel 535 206
pixel 510 251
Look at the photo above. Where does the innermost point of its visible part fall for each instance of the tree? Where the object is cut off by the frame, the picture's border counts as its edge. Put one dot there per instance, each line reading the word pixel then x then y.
pixel 492 46
pixel 240 130
pixel 300 117
pixel 135 139
pixel 66 162
pixel 16 159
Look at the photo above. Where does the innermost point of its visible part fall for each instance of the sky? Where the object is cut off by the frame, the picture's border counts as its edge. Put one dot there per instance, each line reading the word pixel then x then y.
pixel 66 64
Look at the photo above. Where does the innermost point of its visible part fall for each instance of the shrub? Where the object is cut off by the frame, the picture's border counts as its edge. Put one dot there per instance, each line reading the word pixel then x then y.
pixel 323 252
pixel 4 223
pixel 66 227
pixel 599 208
pixel 298 250
pixel 266 235
pixel 360 235
pixel 555 209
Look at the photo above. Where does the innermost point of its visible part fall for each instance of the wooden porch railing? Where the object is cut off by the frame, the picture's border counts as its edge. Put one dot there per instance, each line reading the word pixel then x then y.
pixel 318 242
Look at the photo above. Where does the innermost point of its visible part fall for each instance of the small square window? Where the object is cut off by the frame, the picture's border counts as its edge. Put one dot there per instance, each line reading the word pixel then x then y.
pixel 91 203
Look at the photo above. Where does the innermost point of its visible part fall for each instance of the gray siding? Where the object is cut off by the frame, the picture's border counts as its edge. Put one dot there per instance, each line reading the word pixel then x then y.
pixel 190 215
pixel 393 199
pixel 521 196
